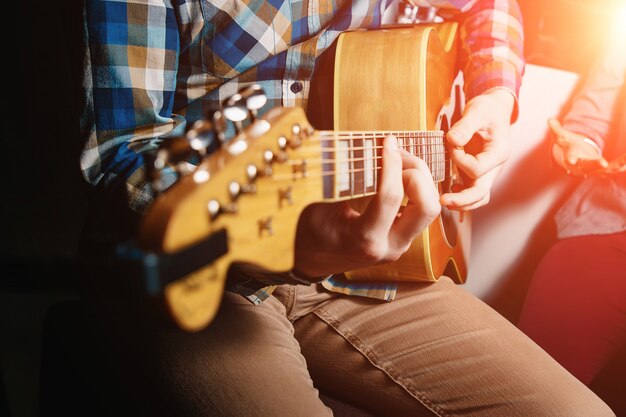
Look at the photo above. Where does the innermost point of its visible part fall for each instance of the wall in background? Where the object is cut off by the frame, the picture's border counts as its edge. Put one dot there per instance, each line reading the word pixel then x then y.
pixel 568 34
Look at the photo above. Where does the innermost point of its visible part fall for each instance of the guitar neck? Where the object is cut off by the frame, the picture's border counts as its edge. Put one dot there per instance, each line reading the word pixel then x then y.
pixel 352 160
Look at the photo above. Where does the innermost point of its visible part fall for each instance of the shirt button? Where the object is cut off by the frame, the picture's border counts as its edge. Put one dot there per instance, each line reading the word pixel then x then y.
pixel 296 87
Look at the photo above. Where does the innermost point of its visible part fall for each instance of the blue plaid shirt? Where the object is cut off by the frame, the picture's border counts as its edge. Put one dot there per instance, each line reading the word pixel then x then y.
pixel 155 65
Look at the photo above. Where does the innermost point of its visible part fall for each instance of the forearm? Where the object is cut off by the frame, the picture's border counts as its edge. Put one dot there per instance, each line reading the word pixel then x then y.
pixel 492 48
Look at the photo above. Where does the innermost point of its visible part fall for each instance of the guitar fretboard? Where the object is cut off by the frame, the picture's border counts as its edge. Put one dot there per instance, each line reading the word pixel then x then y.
pixel 354 159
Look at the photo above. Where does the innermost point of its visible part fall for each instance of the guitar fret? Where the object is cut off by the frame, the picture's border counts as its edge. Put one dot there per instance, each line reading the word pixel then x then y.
pixel 328 166
pixel 430 148
pixel 439 166
pixel 428 155
pixel 352 164
pixel 358 185
pixel 374 163
pixel 343 168
pixel 353 174
pixel 351 159
pixel 422 151
pixel 433 148
pixel 370 166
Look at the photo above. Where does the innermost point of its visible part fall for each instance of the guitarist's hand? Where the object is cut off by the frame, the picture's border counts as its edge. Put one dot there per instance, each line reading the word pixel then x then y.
pixel 480 144
pixel 333 237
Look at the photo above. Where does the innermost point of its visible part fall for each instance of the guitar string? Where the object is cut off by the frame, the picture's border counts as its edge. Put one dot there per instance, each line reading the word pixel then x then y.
pixel 440 165
pixel 323 136
pixel 342 160
pixel 430 139
pixel 361 148
pixel 314 153
pixel 433 165
pixel 376 167
pixel 293 176
pixel 437 164
pixel 359 134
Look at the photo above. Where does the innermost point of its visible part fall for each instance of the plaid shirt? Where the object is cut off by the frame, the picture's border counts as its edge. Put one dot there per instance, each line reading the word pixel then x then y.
pixel 155 65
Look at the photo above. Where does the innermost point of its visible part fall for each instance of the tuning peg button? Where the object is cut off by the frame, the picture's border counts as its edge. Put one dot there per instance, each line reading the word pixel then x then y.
pixel 234 189
pixel 282 142
pixel 268 156
pixel 200 135
pixel 236 111
pixel 213 206
pixel 254 97
pixel 251 172
pixel 219 123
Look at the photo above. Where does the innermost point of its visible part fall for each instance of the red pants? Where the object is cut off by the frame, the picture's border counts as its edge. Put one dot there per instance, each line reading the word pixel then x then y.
pixel 576 304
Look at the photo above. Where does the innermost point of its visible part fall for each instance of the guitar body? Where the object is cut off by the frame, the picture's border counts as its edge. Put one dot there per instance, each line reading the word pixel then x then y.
pixel 405 78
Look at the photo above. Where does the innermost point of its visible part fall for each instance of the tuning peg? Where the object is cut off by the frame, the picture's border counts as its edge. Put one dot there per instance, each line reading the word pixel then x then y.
pixel 236 111
pixel 411 14
pixel 214 208
pixel 173 152
pixel 200 136
pixel 219 124
pixel 297 135
pixel 408 13
pixel 254 97
pixel 236 189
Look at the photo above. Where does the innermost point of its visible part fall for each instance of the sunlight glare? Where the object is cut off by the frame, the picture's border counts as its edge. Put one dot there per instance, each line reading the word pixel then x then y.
pixel 620 23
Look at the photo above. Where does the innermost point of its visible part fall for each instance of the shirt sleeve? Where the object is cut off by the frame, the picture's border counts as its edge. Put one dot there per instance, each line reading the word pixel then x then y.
pixel 129 83
pixel 594 106
pixel 491 43
pixel 492 48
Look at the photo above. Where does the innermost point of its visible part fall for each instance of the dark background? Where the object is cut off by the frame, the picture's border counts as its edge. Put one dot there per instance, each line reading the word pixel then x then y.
pixel 44 202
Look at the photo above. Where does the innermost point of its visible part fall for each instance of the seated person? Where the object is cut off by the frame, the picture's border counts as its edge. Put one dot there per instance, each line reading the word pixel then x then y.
pixel 576 304
pixel 392 349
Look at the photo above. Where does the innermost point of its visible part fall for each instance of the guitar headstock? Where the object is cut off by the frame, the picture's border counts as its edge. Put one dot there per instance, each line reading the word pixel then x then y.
pixel 252 188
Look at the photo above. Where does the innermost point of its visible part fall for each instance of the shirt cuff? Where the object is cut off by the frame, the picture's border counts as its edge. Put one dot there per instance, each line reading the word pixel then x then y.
pixel 584 130
pixel 494 75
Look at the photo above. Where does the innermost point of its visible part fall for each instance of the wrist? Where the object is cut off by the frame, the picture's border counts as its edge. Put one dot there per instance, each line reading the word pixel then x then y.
pixel 505 100
pixel 593 144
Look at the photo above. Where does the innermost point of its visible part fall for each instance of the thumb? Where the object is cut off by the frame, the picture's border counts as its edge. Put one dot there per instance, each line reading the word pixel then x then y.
pixel 473 120
pixel 556 127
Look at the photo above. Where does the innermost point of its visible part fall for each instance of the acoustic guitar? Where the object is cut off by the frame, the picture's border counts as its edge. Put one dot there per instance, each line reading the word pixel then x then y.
pixel 401 81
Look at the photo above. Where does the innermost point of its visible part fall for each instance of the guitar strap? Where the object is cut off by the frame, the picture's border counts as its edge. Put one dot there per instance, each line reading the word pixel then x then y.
pixel 160 269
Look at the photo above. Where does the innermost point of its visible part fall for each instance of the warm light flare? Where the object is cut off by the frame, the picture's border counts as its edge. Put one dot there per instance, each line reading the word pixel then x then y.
pixel 619 25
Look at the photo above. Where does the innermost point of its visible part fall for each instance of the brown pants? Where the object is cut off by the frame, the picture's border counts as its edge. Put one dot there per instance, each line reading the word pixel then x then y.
pixel 434 351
